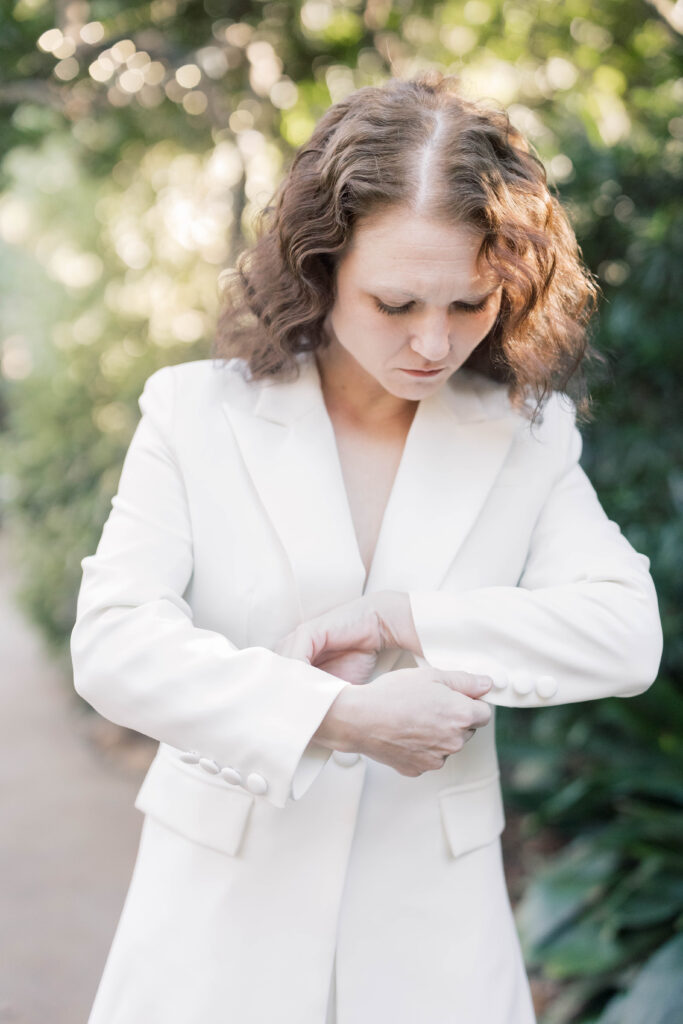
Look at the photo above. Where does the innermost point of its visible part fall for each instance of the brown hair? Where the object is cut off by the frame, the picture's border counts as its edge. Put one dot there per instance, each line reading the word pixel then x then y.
pixel 367 154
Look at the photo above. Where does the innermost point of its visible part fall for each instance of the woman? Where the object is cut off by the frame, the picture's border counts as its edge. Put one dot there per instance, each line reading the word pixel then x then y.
pixel 332 553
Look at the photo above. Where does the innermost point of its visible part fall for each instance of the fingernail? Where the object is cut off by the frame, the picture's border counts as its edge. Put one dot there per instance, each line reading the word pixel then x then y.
pixel 484 684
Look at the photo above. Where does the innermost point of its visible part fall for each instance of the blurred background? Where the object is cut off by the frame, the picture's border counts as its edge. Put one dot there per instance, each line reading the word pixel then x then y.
pixel 138 142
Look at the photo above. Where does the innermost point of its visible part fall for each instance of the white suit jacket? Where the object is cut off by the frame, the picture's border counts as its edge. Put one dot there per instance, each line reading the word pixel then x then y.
pixel 231 525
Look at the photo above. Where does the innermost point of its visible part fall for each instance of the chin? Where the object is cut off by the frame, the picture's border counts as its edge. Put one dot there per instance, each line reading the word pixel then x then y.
pixel 413 390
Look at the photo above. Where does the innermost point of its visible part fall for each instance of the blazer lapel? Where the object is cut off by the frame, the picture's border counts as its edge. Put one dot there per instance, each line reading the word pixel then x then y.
pixel 456 445
pixel 289 447
pixel 455 448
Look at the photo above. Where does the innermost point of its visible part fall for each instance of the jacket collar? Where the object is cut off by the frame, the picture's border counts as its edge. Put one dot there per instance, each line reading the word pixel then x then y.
pixel 469 396
pixel 457 443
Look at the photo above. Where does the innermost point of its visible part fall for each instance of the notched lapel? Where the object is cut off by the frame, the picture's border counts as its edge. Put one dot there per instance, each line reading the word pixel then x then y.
pixel 289 448
pixel 455 449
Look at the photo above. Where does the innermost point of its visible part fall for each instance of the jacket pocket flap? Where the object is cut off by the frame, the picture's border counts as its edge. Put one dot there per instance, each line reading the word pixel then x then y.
pixel 208 811
pixel 472 814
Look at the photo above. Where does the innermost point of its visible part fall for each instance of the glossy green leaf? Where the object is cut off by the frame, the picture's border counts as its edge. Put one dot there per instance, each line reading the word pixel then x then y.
pixel 587 947
pixel 656 997
pixel 573 879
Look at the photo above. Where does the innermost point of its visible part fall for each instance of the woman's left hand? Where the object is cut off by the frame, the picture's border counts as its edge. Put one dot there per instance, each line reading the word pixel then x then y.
pixel 346 641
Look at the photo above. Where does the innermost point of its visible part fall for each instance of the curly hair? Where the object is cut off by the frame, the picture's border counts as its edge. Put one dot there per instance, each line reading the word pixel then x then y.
pixel 368 153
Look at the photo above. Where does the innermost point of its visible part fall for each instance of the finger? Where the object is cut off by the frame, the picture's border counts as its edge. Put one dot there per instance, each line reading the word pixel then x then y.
pixel 465 682
pixel 296 645
pixel 480 714
pixel 468 734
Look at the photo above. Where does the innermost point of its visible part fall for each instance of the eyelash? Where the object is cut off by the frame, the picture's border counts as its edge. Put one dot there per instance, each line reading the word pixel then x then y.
pixel 395 310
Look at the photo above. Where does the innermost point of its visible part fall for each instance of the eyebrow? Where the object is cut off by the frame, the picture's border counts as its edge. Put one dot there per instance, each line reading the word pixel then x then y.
pixel 409 295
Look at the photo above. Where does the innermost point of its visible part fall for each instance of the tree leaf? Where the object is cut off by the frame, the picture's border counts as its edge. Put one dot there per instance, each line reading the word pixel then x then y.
pixel 561 890
pixel 656 996
pixel 585 948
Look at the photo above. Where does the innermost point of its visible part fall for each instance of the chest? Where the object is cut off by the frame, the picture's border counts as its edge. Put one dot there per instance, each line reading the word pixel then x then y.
pixel 287 519
pixel 369 464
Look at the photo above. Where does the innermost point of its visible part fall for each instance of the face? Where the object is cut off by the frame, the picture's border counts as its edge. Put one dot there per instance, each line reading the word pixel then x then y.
pixel 410 296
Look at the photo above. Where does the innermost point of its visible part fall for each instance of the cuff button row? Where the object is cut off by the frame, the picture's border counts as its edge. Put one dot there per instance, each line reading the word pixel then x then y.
pixel 190 757
pixel 254 782
pixel 523 683
pixel 546 686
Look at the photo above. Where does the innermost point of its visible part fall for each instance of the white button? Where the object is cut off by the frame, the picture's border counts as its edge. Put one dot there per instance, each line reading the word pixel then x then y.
pixel 212 767
pixel 232 776
pixel 546 686
pixel 501 679
pixel 189 757
pixel 345 757
pixel 494 671
pixel 522 683
pixel 256 783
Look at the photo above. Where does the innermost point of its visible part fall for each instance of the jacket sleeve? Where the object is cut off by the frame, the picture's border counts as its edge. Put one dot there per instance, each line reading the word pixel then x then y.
pixel 139 660
pixel 583 621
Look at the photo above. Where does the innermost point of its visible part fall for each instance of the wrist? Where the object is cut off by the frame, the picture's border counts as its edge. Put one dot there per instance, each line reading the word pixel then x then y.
pixel 396 623
pixel 341 728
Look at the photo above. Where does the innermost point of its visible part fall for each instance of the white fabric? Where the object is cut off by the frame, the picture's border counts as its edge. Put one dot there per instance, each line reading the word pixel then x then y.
pixel 231 525
pixel 331 1015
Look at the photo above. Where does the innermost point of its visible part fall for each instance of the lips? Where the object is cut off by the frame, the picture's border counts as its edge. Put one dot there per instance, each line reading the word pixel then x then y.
pixel 424 373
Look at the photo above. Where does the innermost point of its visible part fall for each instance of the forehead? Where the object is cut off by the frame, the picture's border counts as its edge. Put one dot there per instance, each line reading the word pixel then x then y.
pixel 401 248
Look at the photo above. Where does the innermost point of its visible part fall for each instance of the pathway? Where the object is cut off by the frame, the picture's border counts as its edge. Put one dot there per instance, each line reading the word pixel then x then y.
pixel 69 829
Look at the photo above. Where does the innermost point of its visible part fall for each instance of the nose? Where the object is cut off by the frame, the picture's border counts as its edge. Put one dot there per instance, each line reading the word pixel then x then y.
pixel 430 339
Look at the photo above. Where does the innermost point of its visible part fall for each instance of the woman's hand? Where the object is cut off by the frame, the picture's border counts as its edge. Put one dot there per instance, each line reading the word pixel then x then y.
pixel 411 719
pixel 347 640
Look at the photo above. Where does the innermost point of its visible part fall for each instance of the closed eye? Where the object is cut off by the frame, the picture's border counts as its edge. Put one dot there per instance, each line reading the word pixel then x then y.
pixel 464 307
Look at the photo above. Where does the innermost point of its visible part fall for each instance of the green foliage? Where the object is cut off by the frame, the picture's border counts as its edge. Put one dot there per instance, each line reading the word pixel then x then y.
pixel 142 138
pixel 657 993
pixel 604 778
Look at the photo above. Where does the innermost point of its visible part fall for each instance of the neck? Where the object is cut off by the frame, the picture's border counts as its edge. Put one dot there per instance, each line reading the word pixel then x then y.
pixel 350 392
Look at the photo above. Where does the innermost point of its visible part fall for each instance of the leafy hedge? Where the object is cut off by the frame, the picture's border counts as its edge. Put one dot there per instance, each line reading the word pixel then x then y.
pixel 605 778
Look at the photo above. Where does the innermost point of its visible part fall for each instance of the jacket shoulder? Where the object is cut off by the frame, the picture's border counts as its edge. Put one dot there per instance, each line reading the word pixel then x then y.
pixel 199 383
pixel 558 419
pixel 474 395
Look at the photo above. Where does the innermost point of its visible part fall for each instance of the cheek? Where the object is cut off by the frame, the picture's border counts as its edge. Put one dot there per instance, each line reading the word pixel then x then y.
pixel 354 325
pixel 475 329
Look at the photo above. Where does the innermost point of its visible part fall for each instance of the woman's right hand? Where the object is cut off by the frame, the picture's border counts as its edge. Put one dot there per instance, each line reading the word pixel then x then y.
pixel 411 719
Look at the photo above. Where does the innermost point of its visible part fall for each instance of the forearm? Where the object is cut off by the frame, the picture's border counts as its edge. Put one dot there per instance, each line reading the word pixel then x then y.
pixel 551 645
